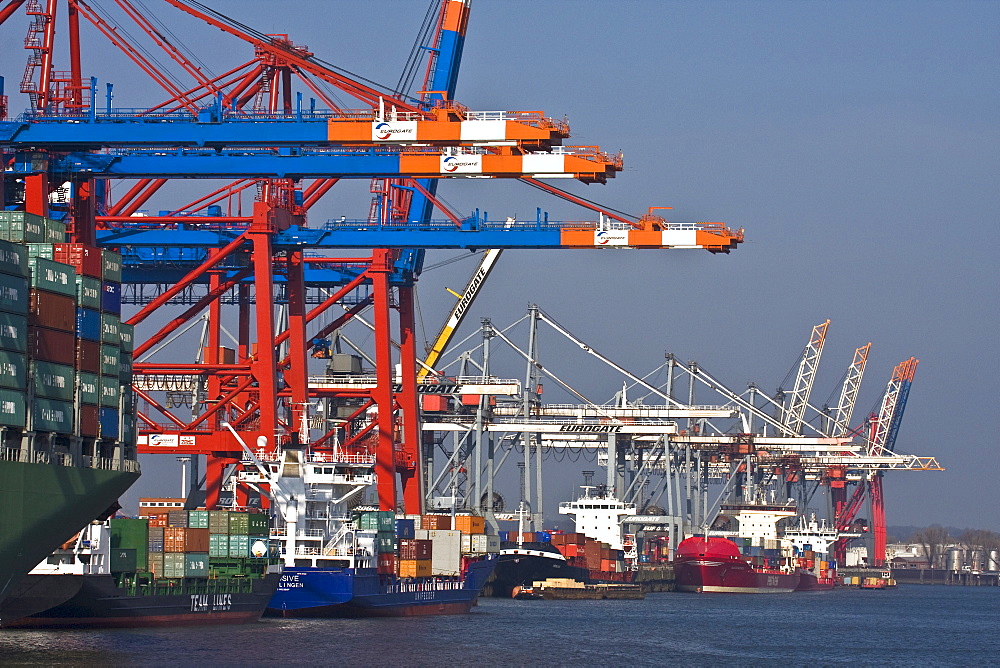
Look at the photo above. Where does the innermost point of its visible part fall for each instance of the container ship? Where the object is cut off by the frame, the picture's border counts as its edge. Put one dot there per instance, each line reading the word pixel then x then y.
pixel 592 555
pixel 202 568
pixel 67 425
pixel 760 555
pixel 344 560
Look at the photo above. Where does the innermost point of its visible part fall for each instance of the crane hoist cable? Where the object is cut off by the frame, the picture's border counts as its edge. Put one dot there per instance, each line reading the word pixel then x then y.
pixel 270 40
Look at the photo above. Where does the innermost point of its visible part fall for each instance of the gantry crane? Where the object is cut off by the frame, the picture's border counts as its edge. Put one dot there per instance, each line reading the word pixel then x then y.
pixel 249 124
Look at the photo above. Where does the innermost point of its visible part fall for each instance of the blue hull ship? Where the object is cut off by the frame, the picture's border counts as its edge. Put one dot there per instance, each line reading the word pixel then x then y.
pixel 363 592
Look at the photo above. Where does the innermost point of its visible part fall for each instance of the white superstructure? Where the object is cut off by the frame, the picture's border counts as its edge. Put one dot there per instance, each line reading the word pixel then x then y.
pixel 599 516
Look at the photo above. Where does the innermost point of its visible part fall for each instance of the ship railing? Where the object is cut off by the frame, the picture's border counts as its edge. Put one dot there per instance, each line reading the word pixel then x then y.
pixel 310 551
pixel 309 533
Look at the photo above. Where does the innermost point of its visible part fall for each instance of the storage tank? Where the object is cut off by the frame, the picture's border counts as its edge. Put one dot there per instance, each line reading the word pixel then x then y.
pixel 954 559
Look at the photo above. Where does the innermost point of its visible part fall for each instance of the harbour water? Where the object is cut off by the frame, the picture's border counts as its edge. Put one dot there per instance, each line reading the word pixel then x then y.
pixel 911 625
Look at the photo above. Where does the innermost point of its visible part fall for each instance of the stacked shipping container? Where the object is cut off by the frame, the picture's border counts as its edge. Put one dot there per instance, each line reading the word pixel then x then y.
pixel 426 545
pixel 61 342
pixel 211 543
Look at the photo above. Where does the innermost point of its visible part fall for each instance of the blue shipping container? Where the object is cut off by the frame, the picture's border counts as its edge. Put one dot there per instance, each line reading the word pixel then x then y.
pixel 543 537
pixel 88 324
pixel 109 422
pixel 503 535
pixel 111 298
pixel 405 528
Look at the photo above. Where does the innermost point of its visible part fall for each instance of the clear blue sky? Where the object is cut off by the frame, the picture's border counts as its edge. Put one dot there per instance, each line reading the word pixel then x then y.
pixel 856 142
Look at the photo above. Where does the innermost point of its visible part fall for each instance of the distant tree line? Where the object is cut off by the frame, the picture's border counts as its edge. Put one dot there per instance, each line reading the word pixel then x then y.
pixel 935 540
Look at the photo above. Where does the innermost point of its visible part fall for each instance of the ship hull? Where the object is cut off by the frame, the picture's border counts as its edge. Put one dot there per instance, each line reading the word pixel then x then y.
pixel 519 566
pixel 715 565
pixel 362 592
pixel 43 506
pixel 708 576
pixel 98 603
pixel 810 582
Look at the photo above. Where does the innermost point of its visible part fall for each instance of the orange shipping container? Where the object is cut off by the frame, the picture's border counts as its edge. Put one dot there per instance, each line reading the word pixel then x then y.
pixel 173 539
pixel 415 568
pixel 471 524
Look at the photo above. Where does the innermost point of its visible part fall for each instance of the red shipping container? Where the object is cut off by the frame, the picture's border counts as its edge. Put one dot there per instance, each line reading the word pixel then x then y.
pixel 415 550
pixel 86 259
pixel 157 520
pixel 53 311
pixel 435 522
pixel 88 356
pixel 51 345
pixel 386 564
pixel 89 420
pixel 196 540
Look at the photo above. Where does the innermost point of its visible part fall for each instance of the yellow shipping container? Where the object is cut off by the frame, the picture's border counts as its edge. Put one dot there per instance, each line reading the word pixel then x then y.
pixel 414 568
pixel 470 524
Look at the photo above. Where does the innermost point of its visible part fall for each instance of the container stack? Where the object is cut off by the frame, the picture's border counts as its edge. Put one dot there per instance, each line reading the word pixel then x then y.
pixel 413 546
pixel 201 543
pixel 60 336
pixel 599 558
pixel 14 301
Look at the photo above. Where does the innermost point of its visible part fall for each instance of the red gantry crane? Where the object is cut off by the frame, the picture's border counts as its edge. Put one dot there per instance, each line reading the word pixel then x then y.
pixel 253 126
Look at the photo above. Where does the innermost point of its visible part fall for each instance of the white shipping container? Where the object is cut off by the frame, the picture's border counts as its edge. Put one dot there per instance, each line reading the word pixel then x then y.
pixel 446 551
pixel 416 520
pixel 484 544
pixel 467 547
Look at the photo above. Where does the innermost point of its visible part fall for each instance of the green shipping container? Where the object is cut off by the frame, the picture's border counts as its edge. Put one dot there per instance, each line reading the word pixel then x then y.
pixel 13 332
pixel 21 227
pixel 55 231
pixel 128 337
pixel 195 564
pixel 13 370
pixel 154 562
pixel 239 546
pixel 125 369
pixel 47 251
pixel 123 560
pixel 88 292
pixel 13 259
pixel 54 276
pixel 239 523
pixel 128 408
pixel 88 388
pixel 110 365
pixel 258 524
pixel 110 392
pixel 53 381
pixel 218 521
pixel 52 415
pixel 198 519
pixel 14 296
pixel 218 545
pixel 12 408
pixel 128 433
pixel 386 543
pixel 173 564
pixel 111 266
pixel 132 534
pixel 109 330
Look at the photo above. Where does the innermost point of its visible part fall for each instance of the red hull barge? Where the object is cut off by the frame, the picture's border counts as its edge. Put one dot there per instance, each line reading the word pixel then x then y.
pixel 715 565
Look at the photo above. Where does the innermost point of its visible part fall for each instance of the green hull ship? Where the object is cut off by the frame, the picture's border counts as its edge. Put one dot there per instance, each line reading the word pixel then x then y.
pixel 44 505
pixel 67 407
